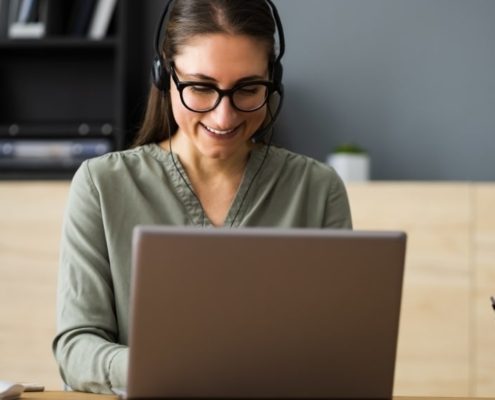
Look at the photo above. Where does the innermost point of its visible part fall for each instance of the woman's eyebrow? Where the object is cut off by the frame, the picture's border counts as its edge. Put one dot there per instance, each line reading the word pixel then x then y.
pixel 201 77
pixel 207 78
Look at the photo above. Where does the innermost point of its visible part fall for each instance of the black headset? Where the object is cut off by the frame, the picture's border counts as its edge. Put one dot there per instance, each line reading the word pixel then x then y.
pixel 160 72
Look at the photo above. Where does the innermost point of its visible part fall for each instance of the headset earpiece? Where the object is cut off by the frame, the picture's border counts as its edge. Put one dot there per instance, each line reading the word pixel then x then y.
pixel 159 71
pixel 160 75
pixel 278 72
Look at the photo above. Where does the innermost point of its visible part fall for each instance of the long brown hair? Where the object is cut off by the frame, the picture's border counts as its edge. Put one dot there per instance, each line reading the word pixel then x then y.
pixel 199 17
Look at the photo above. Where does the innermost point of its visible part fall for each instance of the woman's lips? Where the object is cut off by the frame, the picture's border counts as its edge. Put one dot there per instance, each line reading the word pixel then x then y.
pixel 220 134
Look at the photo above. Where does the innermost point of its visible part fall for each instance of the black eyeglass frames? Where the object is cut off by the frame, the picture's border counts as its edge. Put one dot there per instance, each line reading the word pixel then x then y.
pixel 203 97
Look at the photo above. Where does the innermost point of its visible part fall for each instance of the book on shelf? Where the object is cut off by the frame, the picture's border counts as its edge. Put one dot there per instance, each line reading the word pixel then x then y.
pixel 41 18
pixel 24 20
pixel 80 17
pixel 54 14
pixel 28 11
pixel 13 11
pixel 10 12
pixel 102 17
pixel 91 18
pixel 4 18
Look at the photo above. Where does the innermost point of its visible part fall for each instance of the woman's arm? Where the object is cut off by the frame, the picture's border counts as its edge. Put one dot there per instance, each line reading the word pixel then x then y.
pixel 85 345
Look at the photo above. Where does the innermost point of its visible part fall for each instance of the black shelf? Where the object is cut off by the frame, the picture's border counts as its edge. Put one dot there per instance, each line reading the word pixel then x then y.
pixel 57 129
pixel 58 43
pixel 66 88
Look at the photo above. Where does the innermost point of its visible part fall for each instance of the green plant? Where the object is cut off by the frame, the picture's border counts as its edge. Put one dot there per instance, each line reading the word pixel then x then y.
pixel 349 148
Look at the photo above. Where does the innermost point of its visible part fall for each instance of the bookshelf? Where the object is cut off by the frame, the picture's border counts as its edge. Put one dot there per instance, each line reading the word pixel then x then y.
pixel 64 95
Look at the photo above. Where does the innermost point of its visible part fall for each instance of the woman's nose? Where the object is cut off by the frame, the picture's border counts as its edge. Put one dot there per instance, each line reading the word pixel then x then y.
pixel 224 114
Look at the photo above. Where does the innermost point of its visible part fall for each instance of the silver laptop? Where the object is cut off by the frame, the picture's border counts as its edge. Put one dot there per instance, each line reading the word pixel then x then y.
pixel 264 313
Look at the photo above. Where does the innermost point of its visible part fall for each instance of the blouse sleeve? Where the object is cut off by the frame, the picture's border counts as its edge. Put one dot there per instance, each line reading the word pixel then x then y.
pixel 85 345
pixel 338 211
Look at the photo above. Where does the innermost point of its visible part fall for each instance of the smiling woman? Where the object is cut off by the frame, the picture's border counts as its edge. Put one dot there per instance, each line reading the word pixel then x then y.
pixel 202 157
pixel 224 131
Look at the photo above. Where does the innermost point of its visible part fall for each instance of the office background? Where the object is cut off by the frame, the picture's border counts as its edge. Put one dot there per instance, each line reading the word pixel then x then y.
pixel 410 81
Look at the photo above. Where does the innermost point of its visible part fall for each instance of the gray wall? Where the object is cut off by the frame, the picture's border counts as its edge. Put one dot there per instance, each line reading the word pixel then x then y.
pixel 412 81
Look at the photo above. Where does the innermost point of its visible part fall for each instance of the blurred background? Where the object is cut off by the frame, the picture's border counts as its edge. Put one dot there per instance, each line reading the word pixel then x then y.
pixel 408 83
pixel 411 82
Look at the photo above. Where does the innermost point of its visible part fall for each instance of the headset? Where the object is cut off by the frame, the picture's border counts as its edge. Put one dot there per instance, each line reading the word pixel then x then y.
pixel 160 71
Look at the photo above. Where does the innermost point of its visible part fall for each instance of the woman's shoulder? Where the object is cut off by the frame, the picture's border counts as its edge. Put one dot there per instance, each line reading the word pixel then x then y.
pixel 116 159
pixel 296 164
pixel 119 165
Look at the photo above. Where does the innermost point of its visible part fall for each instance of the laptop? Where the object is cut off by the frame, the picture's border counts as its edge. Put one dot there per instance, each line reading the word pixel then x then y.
pixel 264 313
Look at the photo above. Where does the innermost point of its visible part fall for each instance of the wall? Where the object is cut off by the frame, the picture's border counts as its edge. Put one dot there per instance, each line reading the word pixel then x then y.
pixel 411 81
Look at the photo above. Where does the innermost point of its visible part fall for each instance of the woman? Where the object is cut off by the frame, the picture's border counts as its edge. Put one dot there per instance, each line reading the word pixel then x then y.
pixel 195 163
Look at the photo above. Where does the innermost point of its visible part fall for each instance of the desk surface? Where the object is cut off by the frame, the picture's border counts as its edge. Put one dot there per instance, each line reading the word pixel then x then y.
pixel 81 396
pixel 65 396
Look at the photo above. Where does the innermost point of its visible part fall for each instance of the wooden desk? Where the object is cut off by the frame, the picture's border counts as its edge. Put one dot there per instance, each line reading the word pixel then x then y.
pixel 82 396
pixel 446 341
pixel 65 396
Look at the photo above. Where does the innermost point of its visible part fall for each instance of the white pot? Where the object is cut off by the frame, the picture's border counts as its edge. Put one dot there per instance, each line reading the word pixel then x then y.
pixel 351 167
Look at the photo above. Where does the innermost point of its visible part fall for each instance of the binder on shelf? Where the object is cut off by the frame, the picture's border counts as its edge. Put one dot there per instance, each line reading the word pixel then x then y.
pixel 102 17
pixel 13 12
pixel 55 13
pixel 40 18
pixel 81 13
pixel 4 18
pixel 23 153
pixel 24 21
pixel 28 11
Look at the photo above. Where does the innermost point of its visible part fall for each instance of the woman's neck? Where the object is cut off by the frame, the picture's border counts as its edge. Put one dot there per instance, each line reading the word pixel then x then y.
pixel 208 169
pixel 215 181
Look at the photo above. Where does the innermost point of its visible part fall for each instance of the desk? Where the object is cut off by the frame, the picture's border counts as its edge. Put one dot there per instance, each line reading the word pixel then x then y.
pixel 446 342
pixel 65 396
pixel 82 396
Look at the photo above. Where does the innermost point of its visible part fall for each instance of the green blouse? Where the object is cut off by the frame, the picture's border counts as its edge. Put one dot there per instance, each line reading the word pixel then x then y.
pixel 112 194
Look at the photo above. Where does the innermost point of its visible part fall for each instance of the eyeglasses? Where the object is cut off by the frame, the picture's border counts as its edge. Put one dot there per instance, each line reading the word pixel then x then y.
pixel 202 97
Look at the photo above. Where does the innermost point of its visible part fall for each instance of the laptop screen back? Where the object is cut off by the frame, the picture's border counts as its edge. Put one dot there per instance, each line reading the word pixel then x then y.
pixel 264 313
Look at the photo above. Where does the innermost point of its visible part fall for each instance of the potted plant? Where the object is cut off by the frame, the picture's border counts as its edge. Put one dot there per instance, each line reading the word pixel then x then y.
pixel 351 162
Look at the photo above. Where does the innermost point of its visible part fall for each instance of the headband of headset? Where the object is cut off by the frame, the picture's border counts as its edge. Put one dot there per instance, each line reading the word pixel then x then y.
pixel 160 71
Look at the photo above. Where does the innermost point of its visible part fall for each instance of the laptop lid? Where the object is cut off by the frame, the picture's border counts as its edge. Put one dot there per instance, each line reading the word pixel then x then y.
pixel 264 313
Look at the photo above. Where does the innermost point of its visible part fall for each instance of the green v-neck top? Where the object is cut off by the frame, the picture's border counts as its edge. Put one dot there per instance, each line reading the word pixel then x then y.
pixel 111 194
